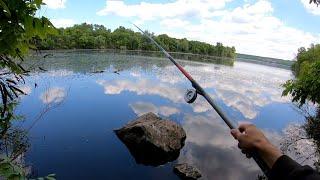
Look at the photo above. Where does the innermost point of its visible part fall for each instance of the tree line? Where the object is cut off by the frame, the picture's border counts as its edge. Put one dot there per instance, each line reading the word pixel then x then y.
pixel 93 36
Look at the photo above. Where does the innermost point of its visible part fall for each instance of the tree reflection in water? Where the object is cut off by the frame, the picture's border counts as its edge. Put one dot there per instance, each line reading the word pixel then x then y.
pixel 14 140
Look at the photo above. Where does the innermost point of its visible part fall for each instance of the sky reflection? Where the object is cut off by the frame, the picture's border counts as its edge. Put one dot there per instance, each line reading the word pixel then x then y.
pixel 53 95
pixel 98 103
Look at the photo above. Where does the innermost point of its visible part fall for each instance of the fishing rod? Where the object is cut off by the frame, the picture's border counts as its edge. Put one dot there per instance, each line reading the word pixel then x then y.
pixel 191 96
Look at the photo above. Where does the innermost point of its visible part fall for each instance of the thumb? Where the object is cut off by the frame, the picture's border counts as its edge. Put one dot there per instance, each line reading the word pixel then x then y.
pixel 235 133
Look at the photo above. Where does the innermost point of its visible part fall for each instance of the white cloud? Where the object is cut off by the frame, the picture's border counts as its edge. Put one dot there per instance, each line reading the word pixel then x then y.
pixel 53 95
pixel 63 22
pixel 251 28
pixel 174 23
pixel 144 107
pixel 311 8
pixel 55 4
pixel 151 11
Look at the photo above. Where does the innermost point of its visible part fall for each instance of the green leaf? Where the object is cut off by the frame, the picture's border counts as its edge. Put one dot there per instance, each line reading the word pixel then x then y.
pixel 38 3
pixel 5 7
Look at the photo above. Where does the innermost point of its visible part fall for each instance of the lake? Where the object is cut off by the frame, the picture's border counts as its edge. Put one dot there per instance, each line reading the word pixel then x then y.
pixel 71 112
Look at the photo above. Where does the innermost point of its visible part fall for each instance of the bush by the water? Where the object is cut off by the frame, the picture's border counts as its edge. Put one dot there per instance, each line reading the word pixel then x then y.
pixel 305 88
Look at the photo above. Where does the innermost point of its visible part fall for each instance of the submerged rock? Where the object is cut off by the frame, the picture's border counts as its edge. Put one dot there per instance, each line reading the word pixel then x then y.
pixel 186 172
pixel 152 140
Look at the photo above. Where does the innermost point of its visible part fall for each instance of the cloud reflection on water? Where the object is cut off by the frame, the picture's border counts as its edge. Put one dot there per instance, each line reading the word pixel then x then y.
pixel 144 107
pixel 60 73
pixel 245 87
pixel 245 90
pixel 211 148
pixel 26 89
pixel 53 95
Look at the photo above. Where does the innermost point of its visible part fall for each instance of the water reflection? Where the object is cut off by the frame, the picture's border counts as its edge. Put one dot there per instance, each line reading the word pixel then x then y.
pixel 53 95
pixel 210 147
pixel 243 91
pixel 60 73
pixel 246 90
pixel 143 87
pixel 144 107
pixel 26 89
pixel 101 102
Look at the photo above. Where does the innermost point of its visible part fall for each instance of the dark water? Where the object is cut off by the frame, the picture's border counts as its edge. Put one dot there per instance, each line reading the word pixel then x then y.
pixel 72 112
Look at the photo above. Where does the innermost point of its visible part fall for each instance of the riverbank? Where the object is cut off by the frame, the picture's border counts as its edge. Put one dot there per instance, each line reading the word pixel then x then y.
pixel 273 62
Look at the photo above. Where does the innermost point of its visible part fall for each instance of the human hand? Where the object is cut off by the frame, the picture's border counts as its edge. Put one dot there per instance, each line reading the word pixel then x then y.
pixel 252 139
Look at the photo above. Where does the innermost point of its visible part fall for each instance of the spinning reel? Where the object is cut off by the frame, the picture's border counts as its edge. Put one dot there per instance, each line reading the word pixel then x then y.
pixel 190 96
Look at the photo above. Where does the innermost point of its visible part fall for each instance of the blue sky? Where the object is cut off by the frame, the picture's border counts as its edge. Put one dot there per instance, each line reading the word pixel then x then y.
pixel 274 28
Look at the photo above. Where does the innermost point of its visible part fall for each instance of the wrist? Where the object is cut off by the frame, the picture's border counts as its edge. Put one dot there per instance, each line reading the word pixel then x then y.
pixel 268 153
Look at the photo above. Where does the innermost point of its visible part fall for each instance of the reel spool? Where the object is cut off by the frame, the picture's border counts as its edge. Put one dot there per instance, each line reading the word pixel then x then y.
pixel 190 96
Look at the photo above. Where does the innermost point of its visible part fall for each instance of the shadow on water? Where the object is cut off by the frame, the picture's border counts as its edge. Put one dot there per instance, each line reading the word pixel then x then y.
pixel 15 139
pixel 149 155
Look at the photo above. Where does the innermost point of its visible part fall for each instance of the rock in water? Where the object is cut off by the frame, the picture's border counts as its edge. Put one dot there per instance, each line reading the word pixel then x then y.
pixel 187 172
pixel 152 140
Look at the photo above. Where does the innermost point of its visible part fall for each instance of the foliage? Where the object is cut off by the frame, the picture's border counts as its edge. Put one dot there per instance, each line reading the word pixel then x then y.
pixel 9 116
pixel 88 36
pixel 14 143
pixel 305 58
pixel 312 127
pixel 18 28
pixel 306 87
pixel 307 83
pixel 11 170
pixel 317 2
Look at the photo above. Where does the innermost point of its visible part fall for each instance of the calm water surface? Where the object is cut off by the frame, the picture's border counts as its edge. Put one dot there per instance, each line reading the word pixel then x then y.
pixel 72 112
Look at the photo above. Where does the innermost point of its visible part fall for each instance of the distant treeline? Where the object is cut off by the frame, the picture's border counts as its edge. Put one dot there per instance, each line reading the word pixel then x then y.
pixel 265 60
pixel 88 36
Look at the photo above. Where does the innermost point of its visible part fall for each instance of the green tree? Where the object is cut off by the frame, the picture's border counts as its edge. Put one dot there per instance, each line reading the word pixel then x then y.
pixel 306 86
pixel 19 27
pixel 88 36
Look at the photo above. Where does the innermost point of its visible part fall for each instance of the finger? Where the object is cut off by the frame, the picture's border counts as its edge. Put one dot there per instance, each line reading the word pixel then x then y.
pixel 243 151
pixel 239 146
pixel 235 133
pixel 244 142
pixel 244 127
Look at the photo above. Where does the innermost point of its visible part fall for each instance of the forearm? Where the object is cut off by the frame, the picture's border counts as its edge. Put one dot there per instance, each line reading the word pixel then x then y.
pixel 286 169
